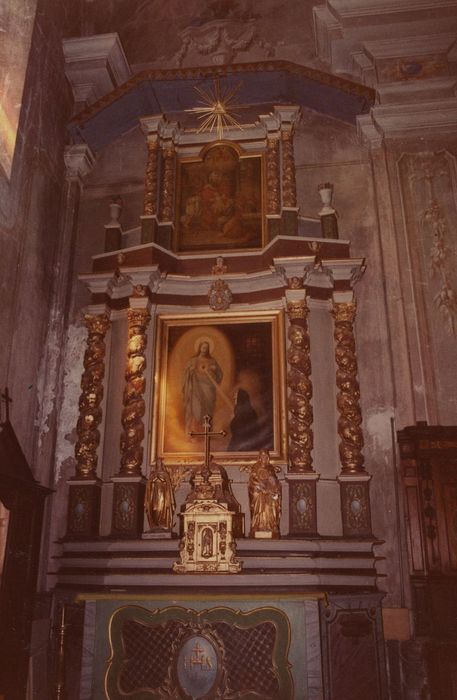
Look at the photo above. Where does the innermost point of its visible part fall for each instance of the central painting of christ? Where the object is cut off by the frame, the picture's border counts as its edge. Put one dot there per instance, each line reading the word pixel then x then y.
pixel 230 369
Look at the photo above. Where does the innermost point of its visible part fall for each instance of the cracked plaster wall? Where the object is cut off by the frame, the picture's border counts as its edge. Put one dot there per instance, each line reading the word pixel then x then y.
pixel 29 226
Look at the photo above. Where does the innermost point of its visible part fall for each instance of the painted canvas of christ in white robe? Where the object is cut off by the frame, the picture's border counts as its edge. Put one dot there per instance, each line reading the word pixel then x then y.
pixel 225 370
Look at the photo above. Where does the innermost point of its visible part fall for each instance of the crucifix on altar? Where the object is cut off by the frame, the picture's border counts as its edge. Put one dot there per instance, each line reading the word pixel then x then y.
pixel 207 434
pixel 212 517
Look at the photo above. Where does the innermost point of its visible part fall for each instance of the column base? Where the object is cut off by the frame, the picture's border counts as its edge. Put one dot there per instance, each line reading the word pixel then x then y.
pixel 83 508
pixel 302 504
pixel 355 504
pixel 148 228
pixel 273 226
pixel 113 238
pixel 289 221
pixel 329 226
pixel 165 234
pixel 128 506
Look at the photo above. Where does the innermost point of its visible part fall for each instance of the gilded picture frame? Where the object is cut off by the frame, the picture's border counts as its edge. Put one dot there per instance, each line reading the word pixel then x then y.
pixel 220 200
pixel 230 367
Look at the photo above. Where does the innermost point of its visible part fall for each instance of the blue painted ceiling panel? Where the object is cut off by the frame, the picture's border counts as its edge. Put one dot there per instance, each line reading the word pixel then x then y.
pixel 160 94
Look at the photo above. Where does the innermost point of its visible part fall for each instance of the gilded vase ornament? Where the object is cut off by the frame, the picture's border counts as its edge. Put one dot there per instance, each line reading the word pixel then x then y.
pixel 273 180
pixel 134 406
pixel 90 413
pixel 289 191
pixel 150 184
pixel 167 184
pixel 348 392
pixel 301 438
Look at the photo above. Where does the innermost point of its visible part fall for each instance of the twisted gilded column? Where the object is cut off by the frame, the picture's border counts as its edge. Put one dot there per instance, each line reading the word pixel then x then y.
pixel 289 191
pixel 348 396
pixel 167 190
pixel 90 413
pixel 150 182
pixel 273 177
pixel 301 476
pixel 134 406
pixel 84 486
pixel 353 479
pixel 300 388
pixel 151 126
pixel 129 483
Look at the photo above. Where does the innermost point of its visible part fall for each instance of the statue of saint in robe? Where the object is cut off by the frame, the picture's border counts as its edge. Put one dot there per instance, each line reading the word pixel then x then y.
pixel 264 497
pixel 159 500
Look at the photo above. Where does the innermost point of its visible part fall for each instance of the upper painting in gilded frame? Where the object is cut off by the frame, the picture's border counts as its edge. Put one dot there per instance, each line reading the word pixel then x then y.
pixel 219 203
pixel 230 367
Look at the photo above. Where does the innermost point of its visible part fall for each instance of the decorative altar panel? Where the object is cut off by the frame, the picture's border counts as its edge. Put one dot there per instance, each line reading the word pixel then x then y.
pixel 249 644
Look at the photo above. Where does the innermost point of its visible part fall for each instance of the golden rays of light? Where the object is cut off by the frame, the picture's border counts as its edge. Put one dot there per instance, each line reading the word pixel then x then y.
pixel 217 113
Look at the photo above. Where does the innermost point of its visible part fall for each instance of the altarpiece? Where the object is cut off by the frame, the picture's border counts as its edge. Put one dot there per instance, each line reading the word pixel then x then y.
pixel 210 318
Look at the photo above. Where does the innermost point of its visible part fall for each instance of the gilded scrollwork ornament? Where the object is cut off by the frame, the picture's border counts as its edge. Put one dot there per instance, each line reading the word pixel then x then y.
pixel 289 191
pixel 219 295
pixel 134 406
pixel 348 396
pixel 300 409
pixel 90 413
pixel 150 184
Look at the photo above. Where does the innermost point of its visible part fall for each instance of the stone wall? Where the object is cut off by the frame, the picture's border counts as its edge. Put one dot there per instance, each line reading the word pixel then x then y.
pixel 30 226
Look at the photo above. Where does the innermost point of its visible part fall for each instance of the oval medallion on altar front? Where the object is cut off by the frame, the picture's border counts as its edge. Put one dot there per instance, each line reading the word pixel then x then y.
pixel 302 506
pixel 197 666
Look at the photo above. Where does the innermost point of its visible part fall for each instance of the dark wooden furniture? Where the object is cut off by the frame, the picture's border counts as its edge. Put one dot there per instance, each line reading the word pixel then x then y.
pixel 429 472
pixel 24 498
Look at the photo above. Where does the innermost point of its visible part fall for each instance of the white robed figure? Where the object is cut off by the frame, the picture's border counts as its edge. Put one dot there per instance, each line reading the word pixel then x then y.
pixel 202 376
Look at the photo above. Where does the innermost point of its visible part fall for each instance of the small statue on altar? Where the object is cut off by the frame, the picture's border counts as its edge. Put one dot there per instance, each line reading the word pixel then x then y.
pixel 159 502
pixel 264 498
pixel 220 268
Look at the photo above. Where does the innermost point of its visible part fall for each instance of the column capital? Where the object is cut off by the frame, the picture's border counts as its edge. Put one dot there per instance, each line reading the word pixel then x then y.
pixel 288 116
pixel 150 126
pixel 344 311
pixel 272 124
pixel 296 304
pixel 97 323
pixel 79 161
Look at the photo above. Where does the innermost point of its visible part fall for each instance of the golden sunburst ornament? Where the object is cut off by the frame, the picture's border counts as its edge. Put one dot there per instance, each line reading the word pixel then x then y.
pixel 217 113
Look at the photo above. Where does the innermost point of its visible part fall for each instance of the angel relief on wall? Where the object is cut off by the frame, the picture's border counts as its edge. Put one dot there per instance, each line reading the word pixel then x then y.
pixel 219 203
pixel 227 369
